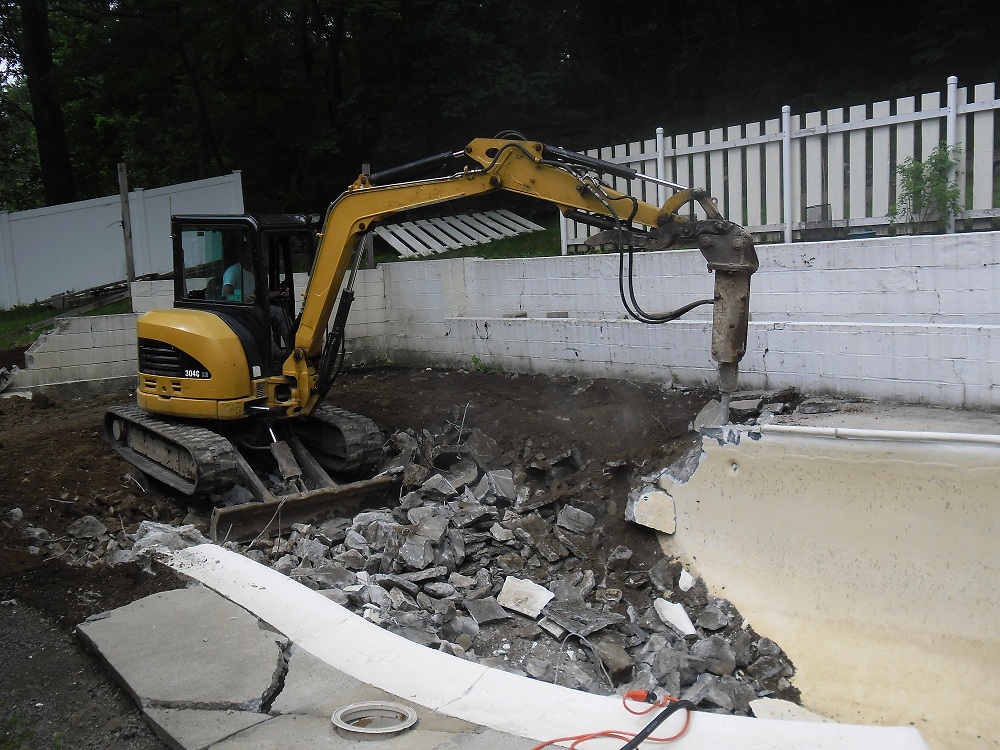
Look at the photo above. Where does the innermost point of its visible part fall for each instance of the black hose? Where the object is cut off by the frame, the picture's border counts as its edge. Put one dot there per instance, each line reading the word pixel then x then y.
pixel 661 717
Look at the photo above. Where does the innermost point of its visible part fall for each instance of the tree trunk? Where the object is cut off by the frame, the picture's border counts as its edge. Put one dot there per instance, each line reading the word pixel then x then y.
pixel 50 131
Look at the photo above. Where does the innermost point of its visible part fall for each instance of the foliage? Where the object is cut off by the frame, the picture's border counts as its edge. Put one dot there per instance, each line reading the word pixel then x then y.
pixel 16 324
pixel 488 368
pixel 299 93
pixel 926 192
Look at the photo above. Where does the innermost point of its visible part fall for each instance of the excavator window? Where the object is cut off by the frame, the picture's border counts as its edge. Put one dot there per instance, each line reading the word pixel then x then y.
pixel 218 264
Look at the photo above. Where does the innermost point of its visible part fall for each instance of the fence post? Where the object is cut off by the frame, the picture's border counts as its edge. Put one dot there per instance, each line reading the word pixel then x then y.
pixel 661 168
pixel 126 230
pixel 563 234
pixel 8 299
pixel 951 135
pixel 786 168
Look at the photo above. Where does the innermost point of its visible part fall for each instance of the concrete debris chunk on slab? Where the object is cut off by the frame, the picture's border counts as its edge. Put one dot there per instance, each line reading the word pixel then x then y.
pixel 675 616
pixel 653 508
pixel 524 596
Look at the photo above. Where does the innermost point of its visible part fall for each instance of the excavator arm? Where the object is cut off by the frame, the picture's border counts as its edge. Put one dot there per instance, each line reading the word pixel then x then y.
pixel 567 179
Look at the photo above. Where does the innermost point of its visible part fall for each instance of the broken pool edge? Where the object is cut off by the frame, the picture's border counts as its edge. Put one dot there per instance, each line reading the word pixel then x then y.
pixel 870 555
pixel 476 693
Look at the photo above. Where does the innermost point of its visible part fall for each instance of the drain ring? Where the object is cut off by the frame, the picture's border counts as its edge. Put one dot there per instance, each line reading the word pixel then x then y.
pixel 373 720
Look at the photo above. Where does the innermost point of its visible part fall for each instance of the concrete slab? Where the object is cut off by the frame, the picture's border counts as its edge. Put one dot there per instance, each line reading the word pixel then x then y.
pixel 314 688
pixel 198 729
pixel 188 648
pixel 296 732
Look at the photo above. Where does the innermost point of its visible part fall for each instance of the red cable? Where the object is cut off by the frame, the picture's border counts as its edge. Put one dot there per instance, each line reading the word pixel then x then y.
pixel 635 695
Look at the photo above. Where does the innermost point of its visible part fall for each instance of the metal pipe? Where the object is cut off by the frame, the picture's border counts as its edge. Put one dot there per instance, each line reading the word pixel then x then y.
pixel 951 136
pixel 786 168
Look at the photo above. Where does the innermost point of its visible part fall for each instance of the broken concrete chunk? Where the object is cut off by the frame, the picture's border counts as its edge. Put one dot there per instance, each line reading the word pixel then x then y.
pixel 432 527
pixel 576 520
pixel 716 655
pixel 652 508
pixel 819 406
pixel 712 618
pixel 417 552
pixel 579 619
pixel 87 527
pixel 502 484
pixel 500 533
pixel 310 549
pixel 618 558
pixel 675 616
pixel 438 486
pixel 524 596
pixel 685 581
pixel 661 577
pixel 485 610
pixel 616 661
pixel 482 448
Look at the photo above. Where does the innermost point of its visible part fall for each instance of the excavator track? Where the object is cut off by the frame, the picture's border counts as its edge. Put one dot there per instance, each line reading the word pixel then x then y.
pixel 342 442
pixel 191 459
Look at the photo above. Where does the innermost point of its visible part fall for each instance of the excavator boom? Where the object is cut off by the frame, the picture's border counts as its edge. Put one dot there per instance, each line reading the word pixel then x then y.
pixel 231 388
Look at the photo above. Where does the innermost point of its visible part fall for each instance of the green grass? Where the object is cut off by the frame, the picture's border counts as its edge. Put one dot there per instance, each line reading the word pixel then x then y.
pixel 14 733
pixel 527 245
pixel 14 331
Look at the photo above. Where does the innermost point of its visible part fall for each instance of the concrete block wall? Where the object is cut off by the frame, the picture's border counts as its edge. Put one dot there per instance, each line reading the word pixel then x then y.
pixel 99 347
pixel 912 319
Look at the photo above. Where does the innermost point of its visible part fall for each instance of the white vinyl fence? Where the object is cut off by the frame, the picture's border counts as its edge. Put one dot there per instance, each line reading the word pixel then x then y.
pixel 77 246
pixel 831 170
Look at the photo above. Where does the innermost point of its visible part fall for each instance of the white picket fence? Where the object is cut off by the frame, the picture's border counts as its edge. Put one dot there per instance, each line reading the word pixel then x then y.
pixel 834 169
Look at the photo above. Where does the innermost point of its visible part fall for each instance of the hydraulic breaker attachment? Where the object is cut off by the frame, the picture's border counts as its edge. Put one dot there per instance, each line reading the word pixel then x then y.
pixel 729 251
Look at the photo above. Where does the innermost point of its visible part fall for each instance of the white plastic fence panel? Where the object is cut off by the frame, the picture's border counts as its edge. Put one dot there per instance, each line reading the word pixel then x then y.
pixel 717 171
pixel 982 153
pixel 930 130
pixel 772 171
pixel 858 165
pixel 699 167
pixel 880 162
pixel 735 192
pixel 796 186
pixel 814 161
pixel 835 158
pixel 962 142
pixel 683 161
pixel 754 178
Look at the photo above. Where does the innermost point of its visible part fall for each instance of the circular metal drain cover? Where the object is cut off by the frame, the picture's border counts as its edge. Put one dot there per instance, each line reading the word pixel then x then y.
pixel 373 720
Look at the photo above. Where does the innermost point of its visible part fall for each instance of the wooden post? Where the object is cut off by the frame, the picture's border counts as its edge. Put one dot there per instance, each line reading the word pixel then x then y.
pixel 126 230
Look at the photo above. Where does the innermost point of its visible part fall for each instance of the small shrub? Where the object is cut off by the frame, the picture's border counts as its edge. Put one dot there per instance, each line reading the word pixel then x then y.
pixel 926 195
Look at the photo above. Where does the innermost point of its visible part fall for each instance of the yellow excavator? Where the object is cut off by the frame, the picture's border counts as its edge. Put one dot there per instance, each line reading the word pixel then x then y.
pixel 231 382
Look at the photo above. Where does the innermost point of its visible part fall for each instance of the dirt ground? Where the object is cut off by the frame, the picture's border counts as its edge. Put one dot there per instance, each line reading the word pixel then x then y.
pixel 55 468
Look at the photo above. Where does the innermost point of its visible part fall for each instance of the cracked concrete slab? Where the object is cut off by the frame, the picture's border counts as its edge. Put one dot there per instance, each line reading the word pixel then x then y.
pixel 314 688
pixel 188 648
pixel 313 733
pixel 198 729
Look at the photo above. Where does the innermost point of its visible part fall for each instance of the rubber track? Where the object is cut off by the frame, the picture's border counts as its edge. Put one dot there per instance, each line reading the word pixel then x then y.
pixel 213 456
pixel 362 439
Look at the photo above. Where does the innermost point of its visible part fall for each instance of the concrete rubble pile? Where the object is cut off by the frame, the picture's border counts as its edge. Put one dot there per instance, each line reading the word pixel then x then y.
pixel 481 560
pixel 500 558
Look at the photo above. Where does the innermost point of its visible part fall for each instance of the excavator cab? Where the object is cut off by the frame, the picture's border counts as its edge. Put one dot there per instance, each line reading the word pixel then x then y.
pixel 242 269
